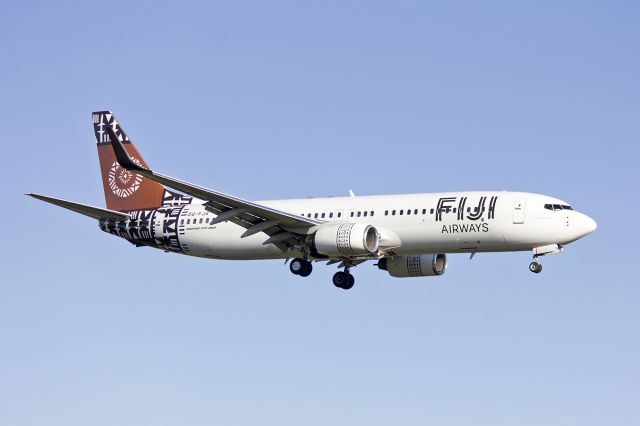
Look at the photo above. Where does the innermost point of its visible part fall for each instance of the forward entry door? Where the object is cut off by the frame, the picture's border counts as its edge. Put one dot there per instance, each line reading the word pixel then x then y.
pixel 519 207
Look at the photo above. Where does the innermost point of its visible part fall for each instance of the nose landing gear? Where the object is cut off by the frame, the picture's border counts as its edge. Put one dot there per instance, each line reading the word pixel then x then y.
pixel 535 266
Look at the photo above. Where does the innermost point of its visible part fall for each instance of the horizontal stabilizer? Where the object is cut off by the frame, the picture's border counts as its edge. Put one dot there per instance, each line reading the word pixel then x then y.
pixel 94 212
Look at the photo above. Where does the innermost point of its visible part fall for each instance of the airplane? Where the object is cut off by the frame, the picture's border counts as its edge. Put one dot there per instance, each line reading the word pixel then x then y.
pixel 408 235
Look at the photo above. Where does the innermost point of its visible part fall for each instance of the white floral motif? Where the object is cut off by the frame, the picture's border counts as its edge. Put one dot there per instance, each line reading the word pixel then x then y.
pixel 123 182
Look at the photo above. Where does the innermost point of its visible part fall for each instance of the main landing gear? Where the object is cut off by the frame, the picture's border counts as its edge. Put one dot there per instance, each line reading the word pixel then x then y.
pixel 301 267
pixel 535 266
pixel 343 280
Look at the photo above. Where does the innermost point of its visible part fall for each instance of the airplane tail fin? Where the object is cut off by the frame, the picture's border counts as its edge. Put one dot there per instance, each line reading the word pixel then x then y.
pixel 124 190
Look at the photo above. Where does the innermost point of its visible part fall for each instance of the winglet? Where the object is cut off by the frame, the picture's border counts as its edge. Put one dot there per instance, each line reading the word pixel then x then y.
pixel 123 157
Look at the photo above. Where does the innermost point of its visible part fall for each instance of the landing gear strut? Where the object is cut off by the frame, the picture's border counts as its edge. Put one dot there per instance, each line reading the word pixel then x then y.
pixel 535 266
pixel 300 267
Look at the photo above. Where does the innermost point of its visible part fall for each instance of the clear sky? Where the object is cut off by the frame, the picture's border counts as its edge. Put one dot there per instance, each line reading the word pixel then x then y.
pixel 287 99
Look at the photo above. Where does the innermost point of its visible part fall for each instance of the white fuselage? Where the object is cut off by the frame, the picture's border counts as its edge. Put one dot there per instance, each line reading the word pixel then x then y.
pixel 409 224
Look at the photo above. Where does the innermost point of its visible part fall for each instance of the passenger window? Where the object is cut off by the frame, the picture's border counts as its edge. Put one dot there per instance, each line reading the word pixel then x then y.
pixel 339 214
pixel 386 212
pixel 331 215
pixel 365 214
pixel 371 212
pixel 188 221
pixel 352 214
pixel 200 220
pixel 409 212
pixel 401 212
pixel 393 213
pixel 454 209
pixel 358 214
pixel 431 211
pixel 424 211
pixel 181 221
pixel 415 211
pixel 315 215
pixel 323 215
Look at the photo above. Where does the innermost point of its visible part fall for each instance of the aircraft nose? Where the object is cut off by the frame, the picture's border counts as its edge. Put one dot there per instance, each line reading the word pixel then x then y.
pixel 586 224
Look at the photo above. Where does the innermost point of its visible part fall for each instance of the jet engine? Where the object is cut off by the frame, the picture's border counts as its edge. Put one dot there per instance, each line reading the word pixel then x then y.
pixel 414 265
pixel 345 239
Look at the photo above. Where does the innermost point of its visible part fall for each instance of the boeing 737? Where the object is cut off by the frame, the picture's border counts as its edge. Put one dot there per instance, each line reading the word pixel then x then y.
pixel 408 235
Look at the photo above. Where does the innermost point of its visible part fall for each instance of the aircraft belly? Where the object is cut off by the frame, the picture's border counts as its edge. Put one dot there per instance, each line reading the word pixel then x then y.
pixel 452 237
pixel 224 242
pixel 537 232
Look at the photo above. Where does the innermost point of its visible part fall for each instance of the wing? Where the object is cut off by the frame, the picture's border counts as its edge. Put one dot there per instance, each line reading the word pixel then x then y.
pixel 284 229
pixel 94 212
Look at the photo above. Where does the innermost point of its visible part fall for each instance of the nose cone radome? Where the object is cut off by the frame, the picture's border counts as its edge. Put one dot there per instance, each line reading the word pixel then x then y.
pixel 586 225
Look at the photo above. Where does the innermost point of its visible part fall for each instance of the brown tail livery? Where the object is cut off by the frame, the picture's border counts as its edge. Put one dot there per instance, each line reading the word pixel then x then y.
pixel 123 190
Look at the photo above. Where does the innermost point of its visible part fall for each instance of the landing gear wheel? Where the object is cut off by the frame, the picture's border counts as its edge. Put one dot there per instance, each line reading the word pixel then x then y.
pixel 308 267
pixel 343 280
pixel 535 267
pixel 300 267
pixel 350 283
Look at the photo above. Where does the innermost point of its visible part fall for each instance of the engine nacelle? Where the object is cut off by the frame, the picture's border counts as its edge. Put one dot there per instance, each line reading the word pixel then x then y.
pixel 414 265
pixel 346 239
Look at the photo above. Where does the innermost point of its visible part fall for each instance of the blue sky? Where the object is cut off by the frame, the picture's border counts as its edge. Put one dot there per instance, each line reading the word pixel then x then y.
pixel 289 99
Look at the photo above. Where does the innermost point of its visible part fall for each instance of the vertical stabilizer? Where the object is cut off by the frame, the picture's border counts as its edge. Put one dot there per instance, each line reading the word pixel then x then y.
pixel 124 190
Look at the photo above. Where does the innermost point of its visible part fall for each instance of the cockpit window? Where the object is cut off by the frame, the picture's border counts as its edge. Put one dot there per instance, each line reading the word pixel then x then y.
pixel 557 207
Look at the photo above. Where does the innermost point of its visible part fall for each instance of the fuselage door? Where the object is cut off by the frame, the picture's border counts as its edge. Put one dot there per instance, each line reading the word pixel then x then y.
pixel 519 210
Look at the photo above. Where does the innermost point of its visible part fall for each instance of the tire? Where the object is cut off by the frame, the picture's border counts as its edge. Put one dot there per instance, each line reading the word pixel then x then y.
pixel 307 269
pixel 340 279
pixel 535 267
pixel 297 266
pixel 350 282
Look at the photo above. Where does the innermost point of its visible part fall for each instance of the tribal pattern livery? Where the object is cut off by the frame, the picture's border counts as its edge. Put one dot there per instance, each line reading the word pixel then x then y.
pixel 122 182
pixel 124 190
pixel 101 119
pixel 156 228
pixel 343 238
